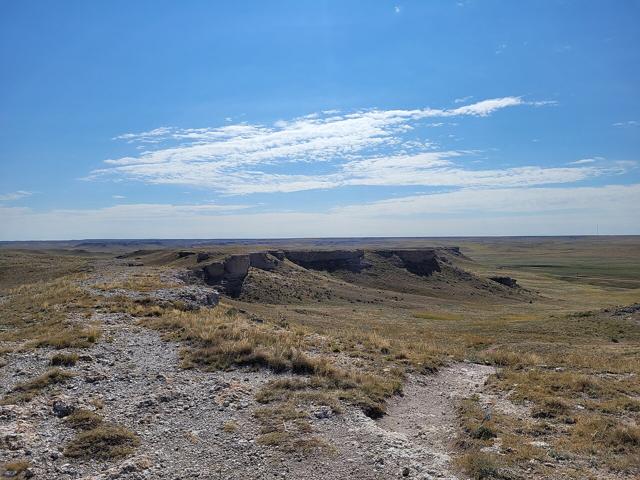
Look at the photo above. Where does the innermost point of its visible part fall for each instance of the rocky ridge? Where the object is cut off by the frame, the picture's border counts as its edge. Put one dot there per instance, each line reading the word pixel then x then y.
pixel 230 272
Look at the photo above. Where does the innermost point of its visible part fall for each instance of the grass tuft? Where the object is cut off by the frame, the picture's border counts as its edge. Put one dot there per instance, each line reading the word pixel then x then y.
pixel 479 465
pixel 23 392
pixel 82 419
pixel 64 359
pixel 16 469
pixel 103 442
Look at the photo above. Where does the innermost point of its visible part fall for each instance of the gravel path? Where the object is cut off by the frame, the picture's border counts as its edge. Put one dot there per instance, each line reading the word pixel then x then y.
pixel 425 416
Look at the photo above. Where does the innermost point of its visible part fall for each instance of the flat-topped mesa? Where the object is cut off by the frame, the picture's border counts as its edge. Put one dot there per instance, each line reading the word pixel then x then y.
pixel 231 271
pixel 419 261
pixel 328 260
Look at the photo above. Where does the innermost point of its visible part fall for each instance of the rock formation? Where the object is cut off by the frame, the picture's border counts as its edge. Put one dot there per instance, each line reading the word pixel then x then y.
pixel 421 262
pixel 328 260
pixel 230 272
pixel 506 281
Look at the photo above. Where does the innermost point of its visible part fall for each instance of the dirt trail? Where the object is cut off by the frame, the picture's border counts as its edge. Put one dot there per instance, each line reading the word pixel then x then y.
pixel 426 414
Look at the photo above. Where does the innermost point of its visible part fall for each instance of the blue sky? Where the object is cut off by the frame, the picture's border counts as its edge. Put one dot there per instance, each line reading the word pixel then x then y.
pixel 325 118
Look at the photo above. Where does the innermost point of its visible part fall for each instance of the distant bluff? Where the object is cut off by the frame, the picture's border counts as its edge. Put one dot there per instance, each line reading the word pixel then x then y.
pixel 230 272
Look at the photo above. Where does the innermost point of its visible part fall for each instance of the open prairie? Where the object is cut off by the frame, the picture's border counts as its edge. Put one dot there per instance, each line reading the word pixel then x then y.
pixel 336 358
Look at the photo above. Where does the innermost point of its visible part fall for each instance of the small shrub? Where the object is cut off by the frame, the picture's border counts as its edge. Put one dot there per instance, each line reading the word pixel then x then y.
pixel 16 469
pixel 50 377
pixel 230 426
pixel 479 465
pixel 103 442
pixel 597 433
pixel 550 408
pixel 23 392
pixel 82 419
pixel 64 359
pixel 69 337
pixel 483 432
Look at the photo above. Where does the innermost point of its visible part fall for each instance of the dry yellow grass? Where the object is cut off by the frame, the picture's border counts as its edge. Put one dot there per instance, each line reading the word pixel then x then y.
pixel 23 392
pixel 82 419
pixel 16 469
pixel 221 338
pixel 64 359
pixel 103 442
pixel 146 281
pixel 98 439
pixel 39 313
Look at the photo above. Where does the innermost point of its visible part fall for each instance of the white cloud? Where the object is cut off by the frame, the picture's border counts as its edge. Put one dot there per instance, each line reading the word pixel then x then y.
pixel 521 211
pixel 445 174
pixel 231 158
pixel 628 123
pixel 118 197
pixel 397 9
pixel 486 107
pixel 433 169
pixel 17 195
pixel 585 161
pixel 501 48
pixel 523 201
pixel 463 99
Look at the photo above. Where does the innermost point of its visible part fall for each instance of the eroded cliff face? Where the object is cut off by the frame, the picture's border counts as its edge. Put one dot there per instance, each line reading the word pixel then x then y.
pixel 423 262
pixel 230 272
pixel 328 260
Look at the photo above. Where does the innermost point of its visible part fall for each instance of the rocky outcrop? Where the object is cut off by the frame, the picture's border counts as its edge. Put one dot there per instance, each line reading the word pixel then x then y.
pixel 328 260
pixel 236 268
pixel 506 281
pixel 231 272
pixel 423 262
pixel 214 272
pixel 263 260
pixel 236 265
pixel 202 256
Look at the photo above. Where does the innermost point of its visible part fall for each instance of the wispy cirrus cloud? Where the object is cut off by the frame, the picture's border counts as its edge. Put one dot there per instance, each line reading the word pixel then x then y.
pixel 463 99
pixel 590 160
pixel 628 123
pixel 17 195
pixel 505 201
pixel 433 169
pixel 236 159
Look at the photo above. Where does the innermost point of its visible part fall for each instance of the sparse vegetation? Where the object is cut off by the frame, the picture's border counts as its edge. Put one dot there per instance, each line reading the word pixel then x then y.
pixel 288 428
pixel 138 282
pixel 40 314
pixel 220 339
pixel 97 439
pixel 230 426
pixel 82 419
pixel 64 359
pixel 102 442
pixel 341 340
pixel 17 469
pixel 23 392
pixel 479 465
